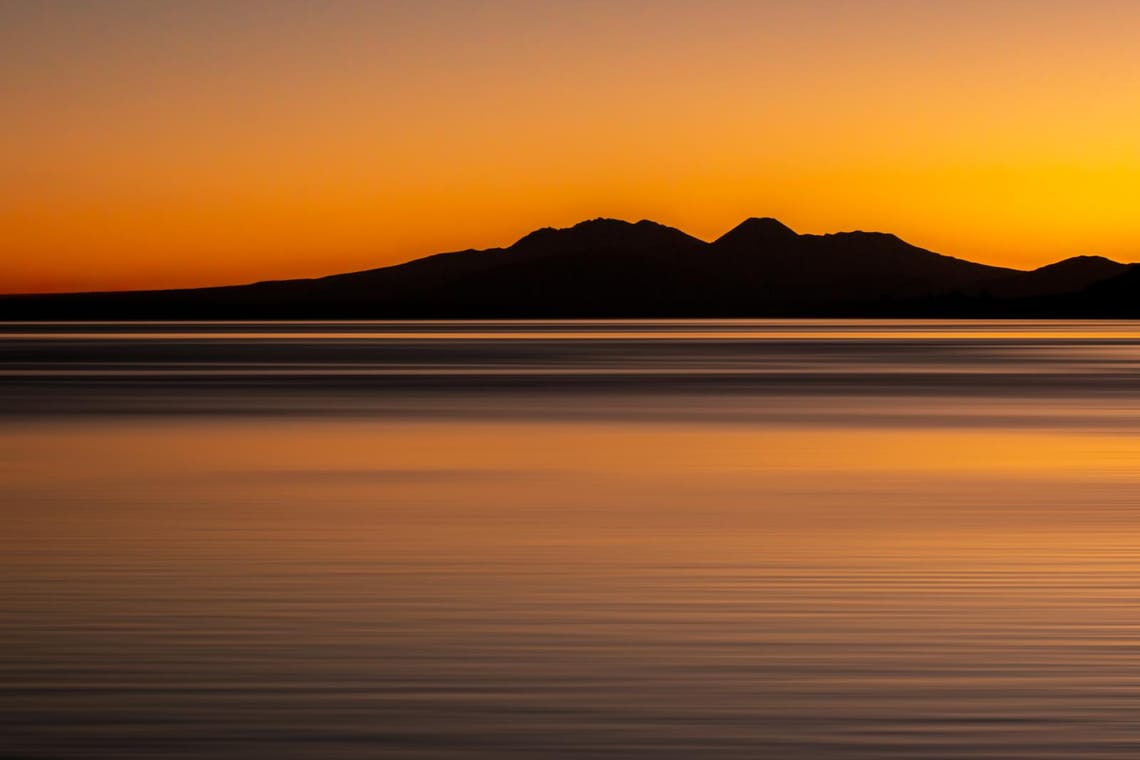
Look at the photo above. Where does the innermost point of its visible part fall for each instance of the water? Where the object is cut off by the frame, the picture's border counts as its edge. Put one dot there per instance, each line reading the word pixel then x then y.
pixel 615 539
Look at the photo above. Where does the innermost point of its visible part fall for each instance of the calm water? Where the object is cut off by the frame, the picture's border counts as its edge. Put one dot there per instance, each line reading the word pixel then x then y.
pixel 613 539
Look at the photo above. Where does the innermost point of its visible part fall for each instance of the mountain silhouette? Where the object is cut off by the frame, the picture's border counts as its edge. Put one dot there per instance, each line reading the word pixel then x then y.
pixel 773 266
pixel 1069 275
pixel 614 268
pixel 754 232
pixel 1115 297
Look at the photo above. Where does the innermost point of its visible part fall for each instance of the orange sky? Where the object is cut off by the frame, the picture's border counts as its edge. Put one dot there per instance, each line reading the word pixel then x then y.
pixel 154 143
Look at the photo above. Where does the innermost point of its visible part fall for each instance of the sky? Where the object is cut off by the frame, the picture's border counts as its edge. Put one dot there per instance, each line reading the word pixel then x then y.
pixel 154 143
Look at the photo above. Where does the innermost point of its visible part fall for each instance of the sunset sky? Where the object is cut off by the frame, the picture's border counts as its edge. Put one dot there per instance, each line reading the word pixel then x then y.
pixel 153 143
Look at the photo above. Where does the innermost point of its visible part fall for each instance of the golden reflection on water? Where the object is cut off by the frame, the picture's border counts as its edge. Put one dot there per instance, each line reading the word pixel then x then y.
pixel 939 511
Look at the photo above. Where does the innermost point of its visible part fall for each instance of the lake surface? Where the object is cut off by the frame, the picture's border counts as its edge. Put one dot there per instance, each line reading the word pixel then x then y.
pixel 763 539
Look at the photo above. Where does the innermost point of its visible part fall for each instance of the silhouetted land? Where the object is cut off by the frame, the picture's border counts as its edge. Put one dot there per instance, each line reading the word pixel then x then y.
pixel 611 268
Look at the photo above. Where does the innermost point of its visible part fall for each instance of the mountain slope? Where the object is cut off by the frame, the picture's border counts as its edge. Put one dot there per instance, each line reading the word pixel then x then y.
pixel 613 268
pixel 1069 275
pixel 786 270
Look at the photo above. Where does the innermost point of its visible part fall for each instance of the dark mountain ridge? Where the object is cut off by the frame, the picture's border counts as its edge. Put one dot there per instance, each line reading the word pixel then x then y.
pixel 613 268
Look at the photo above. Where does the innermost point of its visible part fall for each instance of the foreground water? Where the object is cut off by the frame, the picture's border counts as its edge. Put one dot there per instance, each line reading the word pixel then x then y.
pixel 613 539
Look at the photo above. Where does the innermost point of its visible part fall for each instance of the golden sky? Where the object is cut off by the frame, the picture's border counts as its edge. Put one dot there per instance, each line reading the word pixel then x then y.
pixel 155 143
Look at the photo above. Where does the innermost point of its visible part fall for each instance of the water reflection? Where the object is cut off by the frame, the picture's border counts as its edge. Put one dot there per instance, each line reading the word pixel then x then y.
pixel 497 567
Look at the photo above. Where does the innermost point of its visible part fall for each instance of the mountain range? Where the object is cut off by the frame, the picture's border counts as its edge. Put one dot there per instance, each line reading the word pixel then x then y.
pixel 613 268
